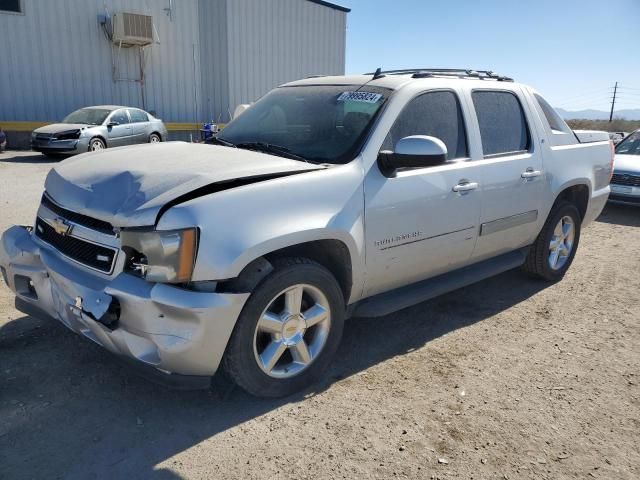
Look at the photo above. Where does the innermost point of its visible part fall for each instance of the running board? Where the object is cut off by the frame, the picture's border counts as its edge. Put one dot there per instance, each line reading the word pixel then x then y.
pixel 403 297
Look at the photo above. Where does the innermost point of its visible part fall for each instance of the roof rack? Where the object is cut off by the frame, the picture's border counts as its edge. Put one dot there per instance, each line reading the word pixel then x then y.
pixel 447 72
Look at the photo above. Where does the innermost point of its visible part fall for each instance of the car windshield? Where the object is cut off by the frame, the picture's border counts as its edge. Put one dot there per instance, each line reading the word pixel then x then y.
pixel 90 116
pixel 322 124
pixel 630 145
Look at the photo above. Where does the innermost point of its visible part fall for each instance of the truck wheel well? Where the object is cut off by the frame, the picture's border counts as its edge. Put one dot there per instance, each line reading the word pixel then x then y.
pixel 331 254
pixel 578 195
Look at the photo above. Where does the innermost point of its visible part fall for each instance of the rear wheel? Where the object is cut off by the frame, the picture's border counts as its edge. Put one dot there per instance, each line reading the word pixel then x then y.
pixel 288 331
pixel 96 144
pixel 154 138
pixel 553 251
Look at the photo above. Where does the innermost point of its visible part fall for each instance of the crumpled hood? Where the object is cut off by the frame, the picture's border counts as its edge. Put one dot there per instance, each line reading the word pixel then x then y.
pixel 128 186
pixel 61 127
pixel 627 163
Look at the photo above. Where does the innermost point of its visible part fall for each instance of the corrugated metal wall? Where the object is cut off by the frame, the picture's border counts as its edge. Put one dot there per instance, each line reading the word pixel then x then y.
pixel 212 55
pixel 56 58
pixel 277 41
pixel 214 64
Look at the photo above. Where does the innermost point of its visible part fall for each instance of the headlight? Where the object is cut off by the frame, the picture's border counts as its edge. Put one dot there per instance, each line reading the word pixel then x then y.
pixel 161 256
pixel 68 135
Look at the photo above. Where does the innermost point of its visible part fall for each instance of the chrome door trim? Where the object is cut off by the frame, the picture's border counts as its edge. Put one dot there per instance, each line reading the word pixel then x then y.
pixel 508 222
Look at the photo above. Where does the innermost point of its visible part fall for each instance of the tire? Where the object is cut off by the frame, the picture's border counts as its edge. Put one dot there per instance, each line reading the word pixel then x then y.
pixel 541 261
pixel 96 144
pixel 155 138
pixel 250 347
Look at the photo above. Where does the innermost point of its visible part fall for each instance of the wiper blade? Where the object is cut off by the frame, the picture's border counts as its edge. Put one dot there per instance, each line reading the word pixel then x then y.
pixel 218 141
pixel 271 148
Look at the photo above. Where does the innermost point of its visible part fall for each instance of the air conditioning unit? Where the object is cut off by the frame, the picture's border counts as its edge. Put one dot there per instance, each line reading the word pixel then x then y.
pixel 132 29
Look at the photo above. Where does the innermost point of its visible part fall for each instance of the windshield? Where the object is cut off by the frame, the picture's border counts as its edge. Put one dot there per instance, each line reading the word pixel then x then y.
pixel 630 145
pixel 90 116
pixel 322 124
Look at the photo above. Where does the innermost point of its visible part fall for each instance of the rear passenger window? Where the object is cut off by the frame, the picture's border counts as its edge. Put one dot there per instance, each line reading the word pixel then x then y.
pixel 556 123
pixel 436 114
pixel 503 127
pixel 138 116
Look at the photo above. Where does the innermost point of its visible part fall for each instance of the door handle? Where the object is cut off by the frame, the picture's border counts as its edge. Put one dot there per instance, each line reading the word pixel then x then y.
pixel 531 173
pixel 465 187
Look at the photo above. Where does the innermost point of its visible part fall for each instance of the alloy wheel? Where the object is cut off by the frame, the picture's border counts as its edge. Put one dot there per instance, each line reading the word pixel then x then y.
pixel 292 331
pixel 561 243
pixel 96 146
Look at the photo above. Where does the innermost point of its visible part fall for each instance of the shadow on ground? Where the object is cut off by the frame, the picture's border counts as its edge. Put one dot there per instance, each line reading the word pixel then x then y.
pixel 615 214
pixel 67 409
pixel 27 157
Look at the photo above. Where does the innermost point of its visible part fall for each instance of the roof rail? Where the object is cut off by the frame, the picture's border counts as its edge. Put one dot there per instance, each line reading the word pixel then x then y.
pixel 448 72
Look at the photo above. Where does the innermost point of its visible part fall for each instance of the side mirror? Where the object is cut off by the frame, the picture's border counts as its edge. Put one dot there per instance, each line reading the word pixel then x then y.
pixel 113 124
pixel 416 151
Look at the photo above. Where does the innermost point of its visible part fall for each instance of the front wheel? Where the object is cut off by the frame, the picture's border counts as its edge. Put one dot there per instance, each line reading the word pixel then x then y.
pixel 96 144
pixel 553 251
pixel 288 331
pixel 154 138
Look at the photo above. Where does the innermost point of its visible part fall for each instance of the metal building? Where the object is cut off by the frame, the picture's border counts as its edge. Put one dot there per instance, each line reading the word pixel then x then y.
pixel 196 60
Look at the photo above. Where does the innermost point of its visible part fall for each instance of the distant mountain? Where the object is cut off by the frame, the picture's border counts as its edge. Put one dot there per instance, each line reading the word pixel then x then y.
pixel 628 114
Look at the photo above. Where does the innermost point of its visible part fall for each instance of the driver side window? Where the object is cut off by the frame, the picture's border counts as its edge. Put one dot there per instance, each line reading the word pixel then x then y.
pixel 436 114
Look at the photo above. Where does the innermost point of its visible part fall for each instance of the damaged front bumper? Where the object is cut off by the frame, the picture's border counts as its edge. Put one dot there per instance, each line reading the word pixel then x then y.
pixel 175 332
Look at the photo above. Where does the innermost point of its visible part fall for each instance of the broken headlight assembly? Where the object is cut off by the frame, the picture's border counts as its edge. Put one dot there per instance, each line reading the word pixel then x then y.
pixel 68 135
pixel 161 256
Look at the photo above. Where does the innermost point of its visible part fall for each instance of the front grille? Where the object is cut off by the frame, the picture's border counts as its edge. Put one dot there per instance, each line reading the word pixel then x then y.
pixel 85 221
pixel 44 136
pixel 95 256
pixel 626 179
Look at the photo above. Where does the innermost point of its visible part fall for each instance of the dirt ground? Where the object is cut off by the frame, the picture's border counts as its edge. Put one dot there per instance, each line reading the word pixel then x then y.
pixel 510 378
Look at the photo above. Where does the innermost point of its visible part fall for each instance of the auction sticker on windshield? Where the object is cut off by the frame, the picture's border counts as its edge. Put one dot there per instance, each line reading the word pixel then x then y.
pixel 366 97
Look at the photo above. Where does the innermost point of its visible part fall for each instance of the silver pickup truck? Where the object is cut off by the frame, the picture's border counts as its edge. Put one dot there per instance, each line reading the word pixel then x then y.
pixel 328 198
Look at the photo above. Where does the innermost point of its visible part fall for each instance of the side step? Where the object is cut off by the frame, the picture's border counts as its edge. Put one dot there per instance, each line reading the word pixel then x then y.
pixel 403 297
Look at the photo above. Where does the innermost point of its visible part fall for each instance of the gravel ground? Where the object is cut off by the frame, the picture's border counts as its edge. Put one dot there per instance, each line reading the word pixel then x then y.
pixel 510 378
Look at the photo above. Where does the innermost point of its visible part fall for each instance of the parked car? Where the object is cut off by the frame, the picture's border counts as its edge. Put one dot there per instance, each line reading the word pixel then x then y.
pixel 3 140
pixel 625 183
pixel 617 137
pixel 328 198
pixel 96 128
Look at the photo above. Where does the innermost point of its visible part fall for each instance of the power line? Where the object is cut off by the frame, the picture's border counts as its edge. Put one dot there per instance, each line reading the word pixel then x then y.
pixel 629 94
pixel 605 98
pixel 606 102
pixel 600 92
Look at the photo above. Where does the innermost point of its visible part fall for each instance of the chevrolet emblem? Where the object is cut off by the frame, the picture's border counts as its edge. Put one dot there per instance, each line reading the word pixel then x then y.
pixel 61 227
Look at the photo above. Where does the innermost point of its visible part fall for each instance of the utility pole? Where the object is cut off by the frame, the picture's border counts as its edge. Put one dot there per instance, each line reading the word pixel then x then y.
pixel 613 102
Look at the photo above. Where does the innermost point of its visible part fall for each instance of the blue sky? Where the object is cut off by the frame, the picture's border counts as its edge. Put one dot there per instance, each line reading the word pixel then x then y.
pixel 572 51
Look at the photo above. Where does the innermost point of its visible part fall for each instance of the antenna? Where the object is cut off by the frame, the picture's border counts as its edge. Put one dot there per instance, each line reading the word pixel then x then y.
pixel 378 74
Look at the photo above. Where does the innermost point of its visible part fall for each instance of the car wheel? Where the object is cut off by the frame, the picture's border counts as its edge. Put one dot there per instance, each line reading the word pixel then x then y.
pixel 553 251
pixel 154 138
pixel 96 144
pixel 288 331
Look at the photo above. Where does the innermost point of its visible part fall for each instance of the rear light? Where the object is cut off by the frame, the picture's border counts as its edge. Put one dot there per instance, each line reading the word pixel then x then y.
pixel 613 157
